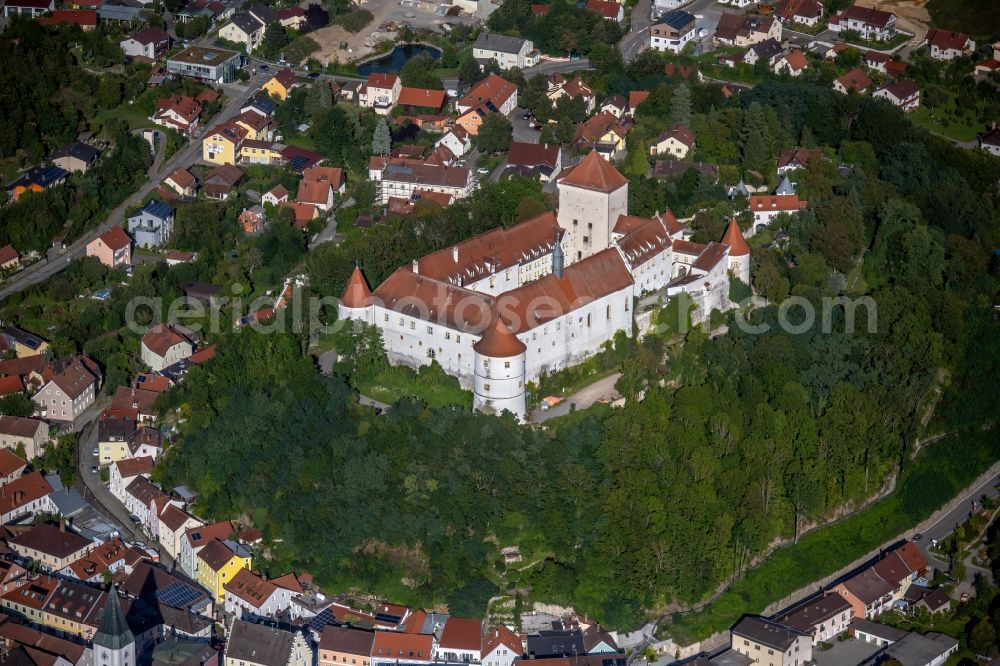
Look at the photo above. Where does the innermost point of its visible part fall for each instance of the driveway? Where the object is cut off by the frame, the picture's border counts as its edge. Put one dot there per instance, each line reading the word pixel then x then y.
pixel 602 389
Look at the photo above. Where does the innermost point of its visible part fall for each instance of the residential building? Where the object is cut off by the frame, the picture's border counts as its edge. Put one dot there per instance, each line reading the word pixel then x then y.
pixel 276 195
pixel 109 557
pixel 206 64
pixel 393 647
pixel 793 63
pixel 29 8
pixel 676 141
pixel 855 80
pixel 767 207
pixel 796 158
pixel 113 432
pixel 52 548
pixel 457 140
pixel 948 45
pixel 990 141
pixel 575 88
pixel 221 181
pixel 145 501
pixel 610 10
pixel 145 442
pixel 262 645
pixel 165 345
pixel 534 159
pixel 877 60
pixel 771 644
pixel 769 51
pixel 867 593
pixel 86 19
pixel 25 496
pixel 293 17
pixel 28 601
pixel 183 182
pixel 746 30
pixel 421 99
pixel 280 85
pixel 401 178
pixel 319 185
pixel 68 393
pixel 346 646
pixel 380 92
pixel 803 12
pixel 868 22
pixel 124 472
pixel 507 51
pixel 905 94
pixel 30 434
pixel 824 619
pixel 616 105
pixel 259 126
pixel 139 404
pixel 673 31
pixel 252 220
pixel 244 28
pixel 222 143
pixel 74 610
pixel 23 343
pixel 174 524
pixel 76 157
pixel 10 259
pixel 150 43
pixel 218 563
pixel 604 134
pixel 491 95
pixel 12 466
pixel 112 248
pixel 501 647
pixel 152 225
pixel 178 112
pixel 249 596
pixel 37 178
pixel 196 538
pixel 461 641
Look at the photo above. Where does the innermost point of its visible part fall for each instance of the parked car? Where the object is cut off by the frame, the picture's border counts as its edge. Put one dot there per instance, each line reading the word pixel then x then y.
pixel 313 75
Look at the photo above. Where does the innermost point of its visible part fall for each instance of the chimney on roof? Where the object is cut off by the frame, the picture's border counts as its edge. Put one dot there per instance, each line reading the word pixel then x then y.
pixel 62 524
pixel 416 266
pixel 557 260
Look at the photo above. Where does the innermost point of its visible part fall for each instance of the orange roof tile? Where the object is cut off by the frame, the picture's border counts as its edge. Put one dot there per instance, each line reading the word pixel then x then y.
pixel 594 173
pixel 357 294
pixel 499 342
pixel 734 239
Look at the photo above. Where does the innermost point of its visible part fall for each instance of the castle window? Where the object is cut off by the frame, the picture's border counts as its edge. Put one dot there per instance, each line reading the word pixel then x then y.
pixel 486 387
pixel 486 364
pixel 413 325
pixel 609 313
pixel 386 315
pixel 575 222
pixel 588 319
pixel 447 335
pixel 458 338
pixel 506 364
pixel 430 330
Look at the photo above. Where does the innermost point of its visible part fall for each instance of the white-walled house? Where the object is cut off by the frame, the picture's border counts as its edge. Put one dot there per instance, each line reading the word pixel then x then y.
pixel 249 596
pixel 507 51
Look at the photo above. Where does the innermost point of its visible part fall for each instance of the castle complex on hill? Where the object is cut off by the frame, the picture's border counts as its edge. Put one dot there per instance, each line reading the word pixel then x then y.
pixel 505 307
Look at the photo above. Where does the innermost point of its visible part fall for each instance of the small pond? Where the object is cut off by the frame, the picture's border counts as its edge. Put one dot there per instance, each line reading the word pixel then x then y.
pixel 394 60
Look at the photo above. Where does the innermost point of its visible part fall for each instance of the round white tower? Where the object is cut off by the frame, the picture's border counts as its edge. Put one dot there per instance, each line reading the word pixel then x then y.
pixel 355 303
pixel 498 382
pixel 739 252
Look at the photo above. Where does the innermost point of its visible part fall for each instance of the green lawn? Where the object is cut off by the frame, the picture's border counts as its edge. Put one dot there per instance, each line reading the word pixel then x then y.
pixel 980 18
pixel 943 121
pixel 938 474
pixel 900 39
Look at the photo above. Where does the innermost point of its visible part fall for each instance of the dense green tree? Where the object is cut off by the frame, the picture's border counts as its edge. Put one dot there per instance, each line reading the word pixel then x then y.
pixel 381 139
pixel 495 134
pixel 680 105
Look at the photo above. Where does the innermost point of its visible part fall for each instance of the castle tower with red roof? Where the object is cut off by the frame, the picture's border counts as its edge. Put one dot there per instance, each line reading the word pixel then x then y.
pixel 498 383
pixel 739 252
pixel 592 195
pixel 356 298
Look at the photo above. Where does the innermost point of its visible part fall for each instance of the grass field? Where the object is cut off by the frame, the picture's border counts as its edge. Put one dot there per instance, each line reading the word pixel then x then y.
pixel 939 473
pixel 933 122
pixel 433 388
pixel 980 18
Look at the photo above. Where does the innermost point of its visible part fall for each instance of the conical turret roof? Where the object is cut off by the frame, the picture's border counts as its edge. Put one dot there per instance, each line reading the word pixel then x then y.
pixel 113 631
pixel 734 239
pixel 785 187
pixel 357 294
pixel 499 341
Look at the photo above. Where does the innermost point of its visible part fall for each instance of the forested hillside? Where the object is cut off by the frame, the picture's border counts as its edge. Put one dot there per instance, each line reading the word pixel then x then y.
pixel 748 437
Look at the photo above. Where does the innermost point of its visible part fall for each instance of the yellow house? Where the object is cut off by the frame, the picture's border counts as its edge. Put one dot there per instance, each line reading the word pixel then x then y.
pixel 28 600
pixel 257 126
pixel 280 85
pixel 74 610
pixel 222 144
pixel 22 342
pixel 217 565
pixel 259 152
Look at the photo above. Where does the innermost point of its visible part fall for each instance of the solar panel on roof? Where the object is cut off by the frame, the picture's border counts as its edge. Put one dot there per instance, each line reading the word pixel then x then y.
pixel 322 619
pixel 388 618
pixel 178 595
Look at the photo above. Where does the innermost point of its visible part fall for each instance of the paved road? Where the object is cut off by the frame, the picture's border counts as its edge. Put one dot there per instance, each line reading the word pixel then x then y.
pixel 948 522
pixel 637 38
pixel 522 127
pixel 602 389
pixel 188 154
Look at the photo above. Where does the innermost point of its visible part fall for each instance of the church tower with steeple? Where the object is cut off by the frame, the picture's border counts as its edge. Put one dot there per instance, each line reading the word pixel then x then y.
pixel 114 642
